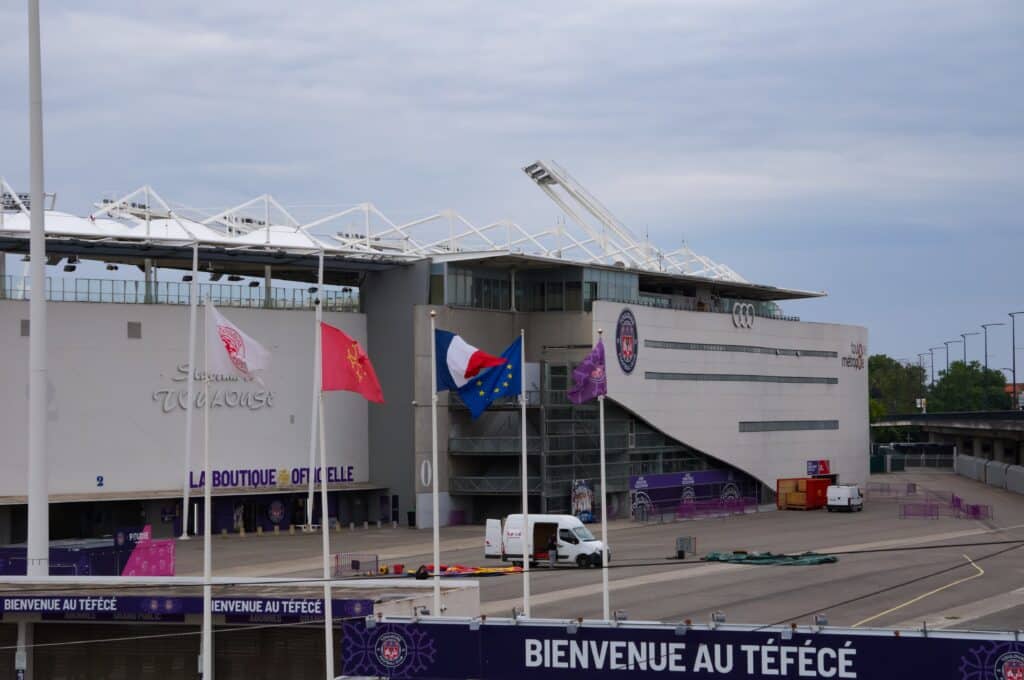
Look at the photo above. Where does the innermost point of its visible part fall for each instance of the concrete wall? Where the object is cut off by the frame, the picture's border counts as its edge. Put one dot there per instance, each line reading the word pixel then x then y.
pixel 389 299
pixel 706 414
pixel 115 427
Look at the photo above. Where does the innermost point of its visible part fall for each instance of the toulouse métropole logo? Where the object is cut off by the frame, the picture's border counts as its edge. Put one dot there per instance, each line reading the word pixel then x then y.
pixel 856 357
pixel 627 341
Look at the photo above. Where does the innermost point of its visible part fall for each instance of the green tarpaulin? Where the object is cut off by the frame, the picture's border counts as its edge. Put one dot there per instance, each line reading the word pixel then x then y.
pixel 800 559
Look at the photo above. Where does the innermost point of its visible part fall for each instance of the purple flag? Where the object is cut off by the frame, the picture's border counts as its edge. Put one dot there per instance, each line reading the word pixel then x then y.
pixel 589 377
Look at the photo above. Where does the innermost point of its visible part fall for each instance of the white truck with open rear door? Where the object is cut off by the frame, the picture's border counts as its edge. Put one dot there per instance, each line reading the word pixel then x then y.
pixel 576 545
pixel 844 497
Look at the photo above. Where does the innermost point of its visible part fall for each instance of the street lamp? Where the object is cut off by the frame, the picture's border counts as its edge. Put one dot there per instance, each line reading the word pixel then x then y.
pixel 985 326
pixel 947 343
pixel 931 351
pixel 964 336
pixel 1013 351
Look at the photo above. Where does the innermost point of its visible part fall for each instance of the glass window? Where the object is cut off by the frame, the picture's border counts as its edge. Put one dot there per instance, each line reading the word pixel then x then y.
pixel 554 297
pixel 583 533
pixel 573 296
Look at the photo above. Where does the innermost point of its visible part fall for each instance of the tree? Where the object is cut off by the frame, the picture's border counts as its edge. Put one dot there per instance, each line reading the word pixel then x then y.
pixel 969 387
pixel 893 385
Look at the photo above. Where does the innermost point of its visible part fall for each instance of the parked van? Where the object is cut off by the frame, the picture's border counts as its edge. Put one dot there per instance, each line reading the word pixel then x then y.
pixel 845 497
pixel 576 545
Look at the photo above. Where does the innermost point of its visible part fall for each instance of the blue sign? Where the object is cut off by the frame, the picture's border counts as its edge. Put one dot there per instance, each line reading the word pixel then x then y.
pixel 504 650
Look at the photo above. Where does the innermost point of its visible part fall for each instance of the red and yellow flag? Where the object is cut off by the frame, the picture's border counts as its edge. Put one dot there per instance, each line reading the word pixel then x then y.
pixel 345 365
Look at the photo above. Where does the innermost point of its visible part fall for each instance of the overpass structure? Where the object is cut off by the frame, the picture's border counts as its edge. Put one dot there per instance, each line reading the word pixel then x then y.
pixel 990 435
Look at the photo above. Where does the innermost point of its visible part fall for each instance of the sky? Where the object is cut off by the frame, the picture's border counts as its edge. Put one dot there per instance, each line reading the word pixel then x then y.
pixel 872 150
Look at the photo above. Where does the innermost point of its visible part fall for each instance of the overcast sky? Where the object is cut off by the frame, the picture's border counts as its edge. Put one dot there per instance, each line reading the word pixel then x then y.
pixel 870 149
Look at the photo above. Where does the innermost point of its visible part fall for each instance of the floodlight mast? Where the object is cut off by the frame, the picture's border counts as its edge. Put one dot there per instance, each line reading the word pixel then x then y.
pixel 615 242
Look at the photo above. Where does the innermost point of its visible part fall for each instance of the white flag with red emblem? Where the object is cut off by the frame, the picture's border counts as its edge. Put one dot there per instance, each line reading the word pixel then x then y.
pixel 229 351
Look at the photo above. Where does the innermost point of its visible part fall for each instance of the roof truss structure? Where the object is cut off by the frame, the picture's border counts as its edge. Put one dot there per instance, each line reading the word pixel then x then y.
pixel 592 234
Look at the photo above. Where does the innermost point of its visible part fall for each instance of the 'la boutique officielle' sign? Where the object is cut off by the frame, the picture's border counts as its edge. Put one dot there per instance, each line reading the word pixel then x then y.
pixel 226 391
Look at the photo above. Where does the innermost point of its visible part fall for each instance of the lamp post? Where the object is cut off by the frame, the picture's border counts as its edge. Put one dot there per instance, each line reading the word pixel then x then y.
pixel 947 343
pixel 1013 352
pixel 931 351
pixel 964 336
pixel 985 327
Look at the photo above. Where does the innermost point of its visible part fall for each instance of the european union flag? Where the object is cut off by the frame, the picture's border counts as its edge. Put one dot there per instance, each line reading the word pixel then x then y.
pixel 500 381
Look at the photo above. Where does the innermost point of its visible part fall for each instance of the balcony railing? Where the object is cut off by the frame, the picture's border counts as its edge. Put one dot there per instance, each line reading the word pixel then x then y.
pixel 532 399
pixel 492 485
pixel 492 445
pixel 688 305
pixel 123 291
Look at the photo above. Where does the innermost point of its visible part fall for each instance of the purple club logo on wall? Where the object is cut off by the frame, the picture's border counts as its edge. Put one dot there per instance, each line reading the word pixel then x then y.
pixel 627 341
pixel 1010 666
pixel 391 650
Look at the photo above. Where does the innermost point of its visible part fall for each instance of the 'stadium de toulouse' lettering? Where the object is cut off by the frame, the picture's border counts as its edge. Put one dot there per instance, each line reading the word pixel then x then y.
pixel 768 660
pixel 221 393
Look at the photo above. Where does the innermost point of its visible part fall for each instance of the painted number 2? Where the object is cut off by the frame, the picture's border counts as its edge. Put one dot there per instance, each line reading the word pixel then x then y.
pixel 99 480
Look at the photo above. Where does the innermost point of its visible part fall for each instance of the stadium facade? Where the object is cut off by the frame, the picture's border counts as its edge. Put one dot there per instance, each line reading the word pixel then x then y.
pixel 705 372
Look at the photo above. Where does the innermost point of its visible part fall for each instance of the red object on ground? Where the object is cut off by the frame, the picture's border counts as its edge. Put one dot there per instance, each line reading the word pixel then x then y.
pixel 398 569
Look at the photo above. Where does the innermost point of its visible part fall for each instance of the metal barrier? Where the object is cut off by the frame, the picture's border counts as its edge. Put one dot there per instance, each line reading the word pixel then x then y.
pixel 929 510
pixel 131 291
pixel 355 564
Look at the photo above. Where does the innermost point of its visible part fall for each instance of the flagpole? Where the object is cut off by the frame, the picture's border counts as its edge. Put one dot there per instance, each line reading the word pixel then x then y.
pixel 193 306
pixel 433 463
pixel 326 544
pixel 605 604
pixel 317 359
pixel 527 534
pixel 207 646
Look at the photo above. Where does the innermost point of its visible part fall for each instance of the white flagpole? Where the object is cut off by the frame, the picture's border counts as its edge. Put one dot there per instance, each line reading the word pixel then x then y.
pixel 325 531
pixel 38 549
pixel 433 463
pixel 193 305
pixel 604 508
pixel 207 647
pixel 527 534
pixel 316 390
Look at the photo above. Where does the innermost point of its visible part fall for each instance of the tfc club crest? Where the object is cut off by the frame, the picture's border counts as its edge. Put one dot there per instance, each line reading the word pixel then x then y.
pixel 1010 666
pixel 627 341
pixel 391 650
pixel 235 346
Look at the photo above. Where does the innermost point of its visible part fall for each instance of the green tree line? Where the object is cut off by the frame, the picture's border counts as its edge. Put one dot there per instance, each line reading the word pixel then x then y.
pixel 894 387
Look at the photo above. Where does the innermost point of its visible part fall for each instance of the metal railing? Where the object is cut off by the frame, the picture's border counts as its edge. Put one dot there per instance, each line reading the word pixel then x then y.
pixel 688 305
pixel 125 291
pixel 532 399
pixel 492 445
pixel 492 485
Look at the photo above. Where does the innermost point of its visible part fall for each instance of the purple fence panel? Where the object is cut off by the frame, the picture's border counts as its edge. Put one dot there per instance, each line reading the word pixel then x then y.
pixel 976 511
pixel 928 510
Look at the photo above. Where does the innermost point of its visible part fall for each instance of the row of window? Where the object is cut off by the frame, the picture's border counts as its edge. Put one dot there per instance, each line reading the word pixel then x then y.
pixel 787 425
pixel 752 349
pixel 740 377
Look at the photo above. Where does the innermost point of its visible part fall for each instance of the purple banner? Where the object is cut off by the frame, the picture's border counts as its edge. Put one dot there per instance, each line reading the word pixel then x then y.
pixel 499 651
pixel 671 491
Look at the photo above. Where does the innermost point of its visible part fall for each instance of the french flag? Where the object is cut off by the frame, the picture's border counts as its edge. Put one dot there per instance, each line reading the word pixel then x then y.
pixel 458 361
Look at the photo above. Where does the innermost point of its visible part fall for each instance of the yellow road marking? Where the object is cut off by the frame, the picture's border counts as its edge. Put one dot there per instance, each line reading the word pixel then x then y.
pixel 981 572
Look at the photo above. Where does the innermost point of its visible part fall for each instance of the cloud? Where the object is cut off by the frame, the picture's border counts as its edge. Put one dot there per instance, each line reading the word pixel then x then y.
pixel 746 127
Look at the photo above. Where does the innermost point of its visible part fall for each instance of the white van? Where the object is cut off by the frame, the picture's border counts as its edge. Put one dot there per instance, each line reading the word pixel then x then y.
pixel 576 545
pixel 844 497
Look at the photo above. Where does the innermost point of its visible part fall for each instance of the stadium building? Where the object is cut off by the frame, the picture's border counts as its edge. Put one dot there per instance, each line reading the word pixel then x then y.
pixel 708 379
